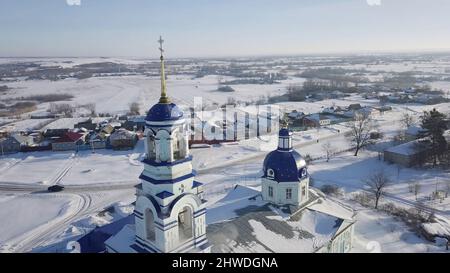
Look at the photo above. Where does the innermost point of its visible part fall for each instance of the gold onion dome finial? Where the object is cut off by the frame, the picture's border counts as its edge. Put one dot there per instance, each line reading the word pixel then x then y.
pixel 284 122
pixel 164 98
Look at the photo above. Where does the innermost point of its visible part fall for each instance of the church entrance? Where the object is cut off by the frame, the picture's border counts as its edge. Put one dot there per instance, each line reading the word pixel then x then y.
pixel 185 224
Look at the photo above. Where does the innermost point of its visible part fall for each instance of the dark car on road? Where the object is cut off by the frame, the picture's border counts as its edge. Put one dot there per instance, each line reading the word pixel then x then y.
pixel 55 188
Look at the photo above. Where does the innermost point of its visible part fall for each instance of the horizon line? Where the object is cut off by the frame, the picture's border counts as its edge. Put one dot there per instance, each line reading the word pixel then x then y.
pixel 268 55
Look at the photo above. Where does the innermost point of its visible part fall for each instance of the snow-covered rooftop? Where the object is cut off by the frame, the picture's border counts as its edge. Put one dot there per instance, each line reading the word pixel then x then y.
pixel 408 148
pixel 257 226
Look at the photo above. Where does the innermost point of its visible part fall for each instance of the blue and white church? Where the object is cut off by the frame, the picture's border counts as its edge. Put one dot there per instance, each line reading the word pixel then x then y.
pixel 169 215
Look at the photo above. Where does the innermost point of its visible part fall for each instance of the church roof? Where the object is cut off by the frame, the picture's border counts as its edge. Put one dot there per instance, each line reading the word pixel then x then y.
pixel 287 166
pixel 164 194
pixel 242 222
pixel 284 132
pixel 94 241
pixel 164 112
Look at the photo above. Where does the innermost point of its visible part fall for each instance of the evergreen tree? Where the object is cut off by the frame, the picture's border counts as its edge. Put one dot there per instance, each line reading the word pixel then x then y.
pixel 435 124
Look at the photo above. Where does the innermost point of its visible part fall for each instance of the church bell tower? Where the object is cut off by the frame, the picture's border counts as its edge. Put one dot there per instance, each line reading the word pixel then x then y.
pixel 169 211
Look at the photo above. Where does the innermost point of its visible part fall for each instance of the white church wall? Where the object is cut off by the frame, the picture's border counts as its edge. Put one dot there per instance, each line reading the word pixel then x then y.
pixel 168 172
pixel 279 191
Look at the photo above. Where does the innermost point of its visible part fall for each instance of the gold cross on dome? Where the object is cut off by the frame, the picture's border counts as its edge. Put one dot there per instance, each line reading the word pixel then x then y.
pixel 161 42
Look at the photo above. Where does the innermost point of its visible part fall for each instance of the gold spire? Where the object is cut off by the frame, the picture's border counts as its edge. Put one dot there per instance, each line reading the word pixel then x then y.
pixel 284 122
pixel 163 98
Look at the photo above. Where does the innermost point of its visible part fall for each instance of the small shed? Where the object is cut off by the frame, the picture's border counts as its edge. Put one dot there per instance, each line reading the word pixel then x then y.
pixel 407 154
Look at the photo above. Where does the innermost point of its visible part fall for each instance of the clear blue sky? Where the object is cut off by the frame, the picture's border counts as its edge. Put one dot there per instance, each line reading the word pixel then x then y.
pixel 195 28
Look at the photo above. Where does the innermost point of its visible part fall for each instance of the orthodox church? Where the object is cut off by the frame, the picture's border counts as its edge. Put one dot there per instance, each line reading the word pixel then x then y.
pixel 169 214
pixel 284 215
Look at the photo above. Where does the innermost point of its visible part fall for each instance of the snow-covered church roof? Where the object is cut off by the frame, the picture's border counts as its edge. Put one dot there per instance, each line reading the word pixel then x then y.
pixel 243 222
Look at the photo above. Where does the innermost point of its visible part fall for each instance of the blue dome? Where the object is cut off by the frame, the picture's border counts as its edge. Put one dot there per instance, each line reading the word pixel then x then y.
pixel 163 112
pixel 284 132
pixel 286 166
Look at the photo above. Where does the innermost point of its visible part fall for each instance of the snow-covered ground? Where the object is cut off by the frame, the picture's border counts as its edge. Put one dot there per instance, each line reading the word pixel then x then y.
pixel 240 163
pixel 96 180
pixel 21 214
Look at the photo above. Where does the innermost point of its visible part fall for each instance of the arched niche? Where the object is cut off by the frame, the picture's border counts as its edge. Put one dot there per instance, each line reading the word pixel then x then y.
pixel 163 146
pixel 179 144
pixel 185 219
pixel 151 145
pixel 149 222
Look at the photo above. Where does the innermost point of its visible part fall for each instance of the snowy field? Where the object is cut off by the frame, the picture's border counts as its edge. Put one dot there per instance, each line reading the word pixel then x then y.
pixel 35 168
pixel 113 95
pixel 26 213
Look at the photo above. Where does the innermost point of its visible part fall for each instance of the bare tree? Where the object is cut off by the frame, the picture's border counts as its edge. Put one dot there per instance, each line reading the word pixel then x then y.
pixel 361 127
pixel 448 189
pixel 417 188
pixel 377 183
pixel 61 108
pixel 91 108
pixel 328 149
pixel 134 108
pixel 407 120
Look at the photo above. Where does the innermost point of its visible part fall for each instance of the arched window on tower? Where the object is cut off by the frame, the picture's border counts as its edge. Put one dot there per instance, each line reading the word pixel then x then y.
pixel 179 147
pixel 185 224
pixel 149 225
pixel 163 145
pixel 176 148
pixel 151 148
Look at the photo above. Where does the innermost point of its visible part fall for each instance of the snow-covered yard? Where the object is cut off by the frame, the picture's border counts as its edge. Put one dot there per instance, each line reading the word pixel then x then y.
pixel 23 214
pixel 377 232
pixel 35 168
pixel 104 167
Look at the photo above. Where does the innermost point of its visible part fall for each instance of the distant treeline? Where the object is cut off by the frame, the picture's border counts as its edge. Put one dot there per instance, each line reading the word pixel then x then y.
pixel 47 97
pixel 335 74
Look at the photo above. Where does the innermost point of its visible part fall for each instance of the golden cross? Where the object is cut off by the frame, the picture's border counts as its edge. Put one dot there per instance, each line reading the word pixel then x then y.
pixel 161 42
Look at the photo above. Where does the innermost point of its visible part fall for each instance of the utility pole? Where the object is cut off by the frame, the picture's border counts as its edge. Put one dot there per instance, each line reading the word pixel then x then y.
pixel 92 146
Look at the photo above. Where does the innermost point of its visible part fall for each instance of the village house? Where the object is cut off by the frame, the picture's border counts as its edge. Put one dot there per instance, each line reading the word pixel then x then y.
pixel 369 111
pixel 408 154
pixel 107 129
pixel 9 145
pixel 13 144
pixel 135 123
pixel 123 139
pixel 355 106
pixel 98 140
pixel 52 133
pixel 332 110
pixel 296 115
pixel 316 120
pixel 88 124
pixel 70 141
